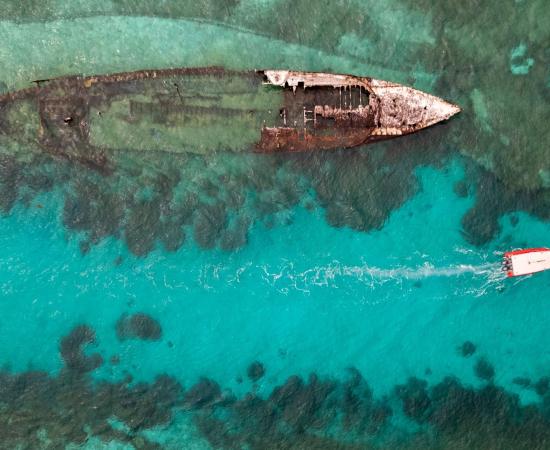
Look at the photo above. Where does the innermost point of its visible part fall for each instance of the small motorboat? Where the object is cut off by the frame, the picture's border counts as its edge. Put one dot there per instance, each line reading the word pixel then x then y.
pixel 527 261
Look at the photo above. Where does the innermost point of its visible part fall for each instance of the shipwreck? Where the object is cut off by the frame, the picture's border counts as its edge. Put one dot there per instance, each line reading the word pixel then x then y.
pixel 88 118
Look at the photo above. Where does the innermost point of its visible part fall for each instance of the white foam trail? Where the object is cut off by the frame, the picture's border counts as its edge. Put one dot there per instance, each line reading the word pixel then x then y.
pixel 286 277
pixel 425 271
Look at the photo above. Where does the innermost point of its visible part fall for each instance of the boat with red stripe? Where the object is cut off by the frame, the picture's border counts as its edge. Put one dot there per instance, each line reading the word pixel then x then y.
pixel 526 261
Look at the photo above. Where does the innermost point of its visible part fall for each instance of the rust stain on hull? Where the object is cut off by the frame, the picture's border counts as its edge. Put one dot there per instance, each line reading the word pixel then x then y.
pixel 293 140
pixel 307 111
pixel 346 111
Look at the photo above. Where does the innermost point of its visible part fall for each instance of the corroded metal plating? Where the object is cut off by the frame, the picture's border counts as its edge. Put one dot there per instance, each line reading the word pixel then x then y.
pixel 359 110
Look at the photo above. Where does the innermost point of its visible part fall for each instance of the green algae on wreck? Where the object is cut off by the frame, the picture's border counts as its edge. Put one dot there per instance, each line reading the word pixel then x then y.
pixel 178 110
pixel 203 110
pixel 188 112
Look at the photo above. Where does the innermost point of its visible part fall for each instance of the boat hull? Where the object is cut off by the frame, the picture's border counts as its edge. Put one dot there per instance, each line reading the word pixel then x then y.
pixel 526 261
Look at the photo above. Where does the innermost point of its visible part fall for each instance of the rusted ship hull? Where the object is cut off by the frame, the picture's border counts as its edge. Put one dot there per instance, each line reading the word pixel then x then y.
pixel 209 109
pixel 336 111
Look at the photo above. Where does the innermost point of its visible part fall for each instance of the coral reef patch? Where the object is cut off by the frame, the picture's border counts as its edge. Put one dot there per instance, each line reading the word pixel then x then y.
pixel 312 412
pixel 255 371
pixel 467 349
pixel 484 370
pixel 72 351
pixel 40 410
pixel 138 326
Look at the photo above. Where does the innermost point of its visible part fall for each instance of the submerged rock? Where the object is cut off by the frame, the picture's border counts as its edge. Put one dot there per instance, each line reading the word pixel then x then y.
pixel 138 326
pixel 358 406
pixel 235 237
pixel 72 350
pixel 484 370
pixel 209 224
pixel 542 386
pixel 301 404
pixel 172 236
pixel 255 371
pixel 10 180
pixel 142 227
pixel 204 393
pixel 467 349
pixel 522 381
pixel 415 398
pixel 460 188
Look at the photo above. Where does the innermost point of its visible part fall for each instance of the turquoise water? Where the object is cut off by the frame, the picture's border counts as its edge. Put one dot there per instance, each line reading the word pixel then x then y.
pixel 385 259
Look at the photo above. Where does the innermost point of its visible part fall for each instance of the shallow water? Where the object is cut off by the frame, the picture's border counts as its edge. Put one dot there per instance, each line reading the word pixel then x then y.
pixel 297 301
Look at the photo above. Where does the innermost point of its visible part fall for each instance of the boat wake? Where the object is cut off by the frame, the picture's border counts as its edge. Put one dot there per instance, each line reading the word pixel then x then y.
pixel 424 271
pixel 335 273
pixel 288 277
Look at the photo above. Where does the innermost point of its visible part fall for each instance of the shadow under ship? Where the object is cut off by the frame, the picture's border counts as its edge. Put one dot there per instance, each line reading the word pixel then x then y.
pixel 201 110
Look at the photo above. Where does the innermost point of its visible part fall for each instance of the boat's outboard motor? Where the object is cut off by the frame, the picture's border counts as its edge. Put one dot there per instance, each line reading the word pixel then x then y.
pixel 506 264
